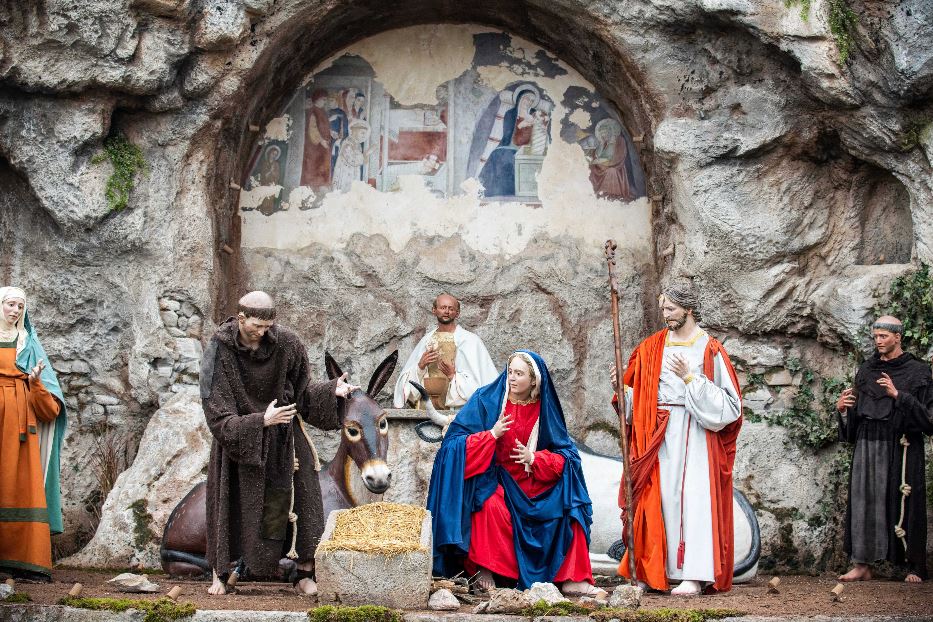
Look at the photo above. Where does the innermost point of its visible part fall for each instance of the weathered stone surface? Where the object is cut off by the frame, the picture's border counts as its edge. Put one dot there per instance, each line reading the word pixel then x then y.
pixel 547 592
pixel 443 600
pixel 221 26
pixel 172 458
pixel 505 600
pixel 627 596
pixel 133 583
pixel 353 578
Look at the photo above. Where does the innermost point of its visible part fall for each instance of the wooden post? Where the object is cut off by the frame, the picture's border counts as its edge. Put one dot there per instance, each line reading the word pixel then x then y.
pixel 773 585
pixel 837 592
pixel 174 593
pixel 75 590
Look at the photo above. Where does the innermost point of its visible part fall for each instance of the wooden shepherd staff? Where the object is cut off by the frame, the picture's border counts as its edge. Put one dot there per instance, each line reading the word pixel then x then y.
pixel 620 410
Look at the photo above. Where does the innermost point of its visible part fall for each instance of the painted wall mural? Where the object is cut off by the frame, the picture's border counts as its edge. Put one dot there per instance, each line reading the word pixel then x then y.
pixel 344 127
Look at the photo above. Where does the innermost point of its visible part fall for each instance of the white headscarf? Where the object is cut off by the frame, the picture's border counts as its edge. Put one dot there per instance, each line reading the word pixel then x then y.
pixel 14 292
pixel 532 443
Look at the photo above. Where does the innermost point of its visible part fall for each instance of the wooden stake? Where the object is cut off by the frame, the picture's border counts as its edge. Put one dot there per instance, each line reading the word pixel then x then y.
pixel 234 185
pixel 10 582
pixel 773 585
pixel 226 248
pixel 837 592
pixel 638 138
pixel 174 593
pixel 75 590
pixel 253 127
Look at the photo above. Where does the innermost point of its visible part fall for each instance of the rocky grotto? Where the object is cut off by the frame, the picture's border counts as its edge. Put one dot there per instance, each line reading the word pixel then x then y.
pixel 158 158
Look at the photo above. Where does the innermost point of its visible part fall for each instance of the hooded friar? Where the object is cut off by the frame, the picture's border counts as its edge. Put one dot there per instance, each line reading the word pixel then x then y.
pixel 252 474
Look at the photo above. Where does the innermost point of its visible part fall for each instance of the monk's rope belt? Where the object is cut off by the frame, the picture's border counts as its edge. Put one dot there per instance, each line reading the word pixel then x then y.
pixel 905 492
pixel 666 405
pixel 292 516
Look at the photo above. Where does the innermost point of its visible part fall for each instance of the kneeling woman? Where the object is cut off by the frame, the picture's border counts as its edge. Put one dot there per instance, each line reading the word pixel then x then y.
pixel 507 491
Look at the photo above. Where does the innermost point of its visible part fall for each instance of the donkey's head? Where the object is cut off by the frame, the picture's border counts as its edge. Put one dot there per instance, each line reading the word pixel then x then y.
pixel 365 439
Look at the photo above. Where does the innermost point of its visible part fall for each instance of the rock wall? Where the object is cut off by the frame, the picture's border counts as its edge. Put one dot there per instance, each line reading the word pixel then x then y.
pixel 792 185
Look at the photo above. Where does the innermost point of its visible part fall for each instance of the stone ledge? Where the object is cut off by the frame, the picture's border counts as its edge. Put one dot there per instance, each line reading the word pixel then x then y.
pixel 58 613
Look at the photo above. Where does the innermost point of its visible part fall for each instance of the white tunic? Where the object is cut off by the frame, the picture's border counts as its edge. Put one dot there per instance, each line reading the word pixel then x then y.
pixel 474 369
pixel 712 405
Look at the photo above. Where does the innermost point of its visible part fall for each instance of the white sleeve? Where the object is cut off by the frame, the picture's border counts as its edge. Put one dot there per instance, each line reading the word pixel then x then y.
pixel 715 403
pixel 404 391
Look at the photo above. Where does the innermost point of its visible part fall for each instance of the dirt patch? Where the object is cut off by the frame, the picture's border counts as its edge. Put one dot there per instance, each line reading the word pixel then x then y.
pixel 800 595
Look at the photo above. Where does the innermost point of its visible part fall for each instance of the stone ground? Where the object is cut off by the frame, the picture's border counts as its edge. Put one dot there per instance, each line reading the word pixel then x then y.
pixel 800 596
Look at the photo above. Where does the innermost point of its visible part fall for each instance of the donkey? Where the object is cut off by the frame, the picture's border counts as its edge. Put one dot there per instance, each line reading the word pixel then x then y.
pixel 364 443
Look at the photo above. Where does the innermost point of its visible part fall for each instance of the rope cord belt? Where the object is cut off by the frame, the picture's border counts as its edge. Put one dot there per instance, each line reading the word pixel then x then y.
pixel 292 516
pixel 899 530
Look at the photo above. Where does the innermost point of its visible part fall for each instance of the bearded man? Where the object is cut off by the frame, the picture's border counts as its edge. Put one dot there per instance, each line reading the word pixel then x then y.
pixel 886 415
pixel 450 361
pixel 685 418
pixel 263 496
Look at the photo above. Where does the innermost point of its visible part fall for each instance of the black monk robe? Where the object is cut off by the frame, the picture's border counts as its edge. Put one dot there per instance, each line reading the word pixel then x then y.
pixel 250 476
pixel 876 425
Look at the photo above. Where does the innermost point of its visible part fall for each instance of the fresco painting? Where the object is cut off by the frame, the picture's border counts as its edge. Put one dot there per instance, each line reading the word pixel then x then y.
pixel 347 128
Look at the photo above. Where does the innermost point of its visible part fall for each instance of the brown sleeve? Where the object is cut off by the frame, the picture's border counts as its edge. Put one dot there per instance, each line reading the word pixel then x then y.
pixel 43 403
pixel 241 436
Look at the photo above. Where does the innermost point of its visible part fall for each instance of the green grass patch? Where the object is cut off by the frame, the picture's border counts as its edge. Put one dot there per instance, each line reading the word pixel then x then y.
pixel 542 608
pixel 363 613
pixel 127 160
pixel 17 598
pixel 842 24
pixel 161 610
pixel 664 615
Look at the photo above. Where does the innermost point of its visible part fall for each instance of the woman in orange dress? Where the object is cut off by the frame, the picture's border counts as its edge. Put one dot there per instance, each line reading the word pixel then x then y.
pixel 31 426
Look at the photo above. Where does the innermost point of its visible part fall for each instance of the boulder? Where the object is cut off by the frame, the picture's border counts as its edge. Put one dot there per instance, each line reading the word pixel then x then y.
pixel 443 600
pixel 547 592
pixel 172 458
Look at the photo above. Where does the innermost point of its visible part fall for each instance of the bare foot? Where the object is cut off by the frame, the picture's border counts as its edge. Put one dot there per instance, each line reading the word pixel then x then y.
pixel 912 578
pixel 687 588
pixel 217 587
pixel 860 572
pixel 307 587
pixel 484 580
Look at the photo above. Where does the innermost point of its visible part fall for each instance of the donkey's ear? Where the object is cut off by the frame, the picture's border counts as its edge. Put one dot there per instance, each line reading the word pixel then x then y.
pixel 382 374
pixel 333 369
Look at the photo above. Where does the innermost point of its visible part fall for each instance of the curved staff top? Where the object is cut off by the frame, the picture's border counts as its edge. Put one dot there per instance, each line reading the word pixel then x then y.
pixel 542 526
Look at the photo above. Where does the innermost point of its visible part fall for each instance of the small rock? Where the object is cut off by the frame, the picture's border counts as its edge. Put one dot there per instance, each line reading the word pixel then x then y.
pixel 169 318
pixel 482 607
pixel 443 600
pixel 106 400
pixel 187 349
pixel 129 582
pixel 80 367
pixel 780 378
pixel 627 596
pixel 174 332
pixel 182 322
pixel 589 601
pixel 547 592
pixel 507 601
pixel 167 304
pixel 187 309
pixel 5 590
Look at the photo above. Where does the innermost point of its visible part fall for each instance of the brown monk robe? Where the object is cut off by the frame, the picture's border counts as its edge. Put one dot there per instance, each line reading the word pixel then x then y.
pixel 250 477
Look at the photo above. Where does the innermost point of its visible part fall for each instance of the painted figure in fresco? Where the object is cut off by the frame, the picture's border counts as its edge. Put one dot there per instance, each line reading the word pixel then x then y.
pixel 338 128
pixel 885 416
pixel 315 166
pixel 507 491
pixel 255 384
pixel 511 131
pixel 355 104
pixel 352 156
pixel 610 169
pixel 270 174
pixel 32 425
pixel 685 414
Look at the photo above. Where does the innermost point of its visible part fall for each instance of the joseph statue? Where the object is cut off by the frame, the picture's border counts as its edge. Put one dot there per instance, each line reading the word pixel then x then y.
pixel 263 496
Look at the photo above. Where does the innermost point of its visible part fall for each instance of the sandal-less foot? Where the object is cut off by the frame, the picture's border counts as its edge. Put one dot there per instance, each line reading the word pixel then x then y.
pixel 582 588
pixel 484 581
pixel 687 588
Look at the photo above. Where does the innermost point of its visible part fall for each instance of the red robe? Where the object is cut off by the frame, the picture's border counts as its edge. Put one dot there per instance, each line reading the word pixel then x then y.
pixel 491 543
pixel 315 165
pixel 645 437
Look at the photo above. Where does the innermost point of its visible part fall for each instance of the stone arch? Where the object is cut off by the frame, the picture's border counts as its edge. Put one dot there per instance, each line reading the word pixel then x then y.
pixel 297 44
